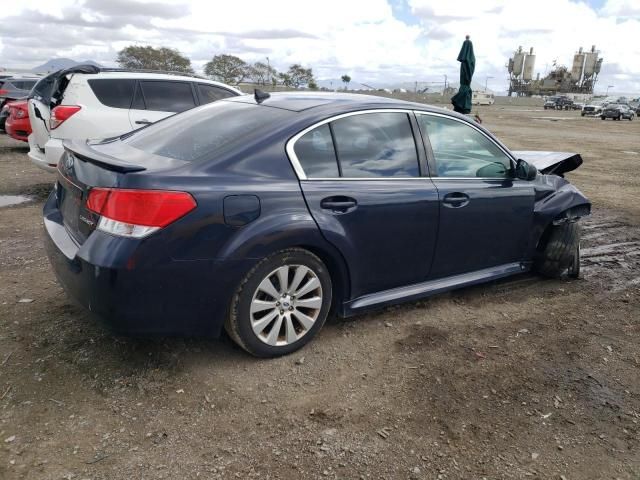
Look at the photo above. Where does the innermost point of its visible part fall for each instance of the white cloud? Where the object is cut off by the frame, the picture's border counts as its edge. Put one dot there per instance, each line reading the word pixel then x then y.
pixel 359 37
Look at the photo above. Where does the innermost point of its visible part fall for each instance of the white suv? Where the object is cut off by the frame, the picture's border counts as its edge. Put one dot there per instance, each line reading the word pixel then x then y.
pixel 87 102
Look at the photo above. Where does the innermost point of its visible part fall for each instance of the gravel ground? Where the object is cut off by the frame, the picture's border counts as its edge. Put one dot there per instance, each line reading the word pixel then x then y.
pixel 522 378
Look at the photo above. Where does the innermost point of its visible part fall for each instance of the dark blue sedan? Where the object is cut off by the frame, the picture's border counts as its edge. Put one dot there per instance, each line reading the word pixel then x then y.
pixel 263 214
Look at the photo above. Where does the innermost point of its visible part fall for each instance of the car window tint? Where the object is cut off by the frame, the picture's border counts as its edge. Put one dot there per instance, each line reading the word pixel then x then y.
pixel 203 133
pixel 316 154
pixel 211 93
pixel 462 151
pixel 376 145
pixel 113 92
pixel 167 96
pixel 138 100
pixel 28 84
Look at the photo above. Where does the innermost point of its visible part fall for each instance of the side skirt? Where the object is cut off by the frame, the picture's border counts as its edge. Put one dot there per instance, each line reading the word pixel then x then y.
pixel 431 287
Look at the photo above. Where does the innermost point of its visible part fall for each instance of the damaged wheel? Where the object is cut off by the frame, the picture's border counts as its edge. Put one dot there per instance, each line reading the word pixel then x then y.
pixel 559 251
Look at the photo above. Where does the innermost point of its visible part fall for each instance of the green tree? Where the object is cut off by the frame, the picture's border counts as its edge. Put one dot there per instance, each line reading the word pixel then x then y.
pixel 285 79
pixel 312 84
pixel 261 73
pixel 149 58
pixel 227 69
pixel 345 79
pixel 299 75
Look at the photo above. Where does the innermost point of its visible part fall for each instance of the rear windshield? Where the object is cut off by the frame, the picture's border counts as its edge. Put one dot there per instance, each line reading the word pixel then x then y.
pixel 200 133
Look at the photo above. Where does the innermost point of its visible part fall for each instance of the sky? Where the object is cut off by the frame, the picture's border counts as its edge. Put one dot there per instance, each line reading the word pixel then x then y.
pixel 376 42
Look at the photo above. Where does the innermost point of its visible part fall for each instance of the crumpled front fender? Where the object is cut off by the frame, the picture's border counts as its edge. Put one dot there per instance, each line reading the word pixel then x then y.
pixel 557 201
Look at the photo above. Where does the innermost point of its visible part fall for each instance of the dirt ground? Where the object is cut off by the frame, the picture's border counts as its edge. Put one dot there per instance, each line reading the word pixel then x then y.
pixel 523 378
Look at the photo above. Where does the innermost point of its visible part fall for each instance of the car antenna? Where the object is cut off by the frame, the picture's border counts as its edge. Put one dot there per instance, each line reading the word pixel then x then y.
pixel 260 96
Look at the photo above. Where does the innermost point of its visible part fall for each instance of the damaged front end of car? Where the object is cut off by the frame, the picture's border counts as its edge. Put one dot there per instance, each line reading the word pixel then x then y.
pixel 555 238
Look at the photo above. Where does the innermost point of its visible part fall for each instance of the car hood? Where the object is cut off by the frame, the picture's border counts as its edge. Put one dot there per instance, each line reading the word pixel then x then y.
pixel 557 163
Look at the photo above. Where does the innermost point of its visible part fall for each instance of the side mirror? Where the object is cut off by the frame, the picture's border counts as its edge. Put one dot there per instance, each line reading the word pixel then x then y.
pixel 525 171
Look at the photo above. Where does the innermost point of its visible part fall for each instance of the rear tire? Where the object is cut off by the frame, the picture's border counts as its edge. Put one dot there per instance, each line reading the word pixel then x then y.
pixel 284 320
pixel 559 250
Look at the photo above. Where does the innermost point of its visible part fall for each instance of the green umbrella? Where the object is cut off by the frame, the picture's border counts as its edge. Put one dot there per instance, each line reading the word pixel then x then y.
pixel 461 101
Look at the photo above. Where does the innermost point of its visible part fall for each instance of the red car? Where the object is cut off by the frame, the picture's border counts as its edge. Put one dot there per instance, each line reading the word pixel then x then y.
pixel 18 125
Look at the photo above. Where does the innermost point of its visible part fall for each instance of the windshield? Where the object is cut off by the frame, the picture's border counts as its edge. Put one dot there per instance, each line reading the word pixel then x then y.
pixel 199 133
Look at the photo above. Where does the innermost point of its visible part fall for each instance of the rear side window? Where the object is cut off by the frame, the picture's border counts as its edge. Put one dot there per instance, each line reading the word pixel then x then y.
pixel 203 133
pixel 211 93
pixel 376 145
pixel 316 154
pixel 113 92
pixel 167 96
pixel 28 84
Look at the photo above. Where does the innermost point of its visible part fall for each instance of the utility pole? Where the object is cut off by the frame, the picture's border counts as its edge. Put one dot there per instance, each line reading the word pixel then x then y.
pixel 445 82
pixel 485 82
pixel 608 87
pixel 269 70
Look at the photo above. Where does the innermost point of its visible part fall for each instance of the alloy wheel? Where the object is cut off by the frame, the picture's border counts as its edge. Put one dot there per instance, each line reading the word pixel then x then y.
pixel 286 305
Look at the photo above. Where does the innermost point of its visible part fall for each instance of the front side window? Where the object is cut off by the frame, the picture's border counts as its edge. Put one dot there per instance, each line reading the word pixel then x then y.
pixel 167 96
pixel 376 145
pixel 462 151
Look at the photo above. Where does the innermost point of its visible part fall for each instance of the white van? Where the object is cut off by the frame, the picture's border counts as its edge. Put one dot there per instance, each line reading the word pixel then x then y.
pixel 87 102
pixel 482 98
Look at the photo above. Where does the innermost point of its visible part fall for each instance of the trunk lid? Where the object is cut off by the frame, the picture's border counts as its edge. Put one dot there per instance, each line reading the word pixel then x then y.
pixel 98 164
pixel 547 163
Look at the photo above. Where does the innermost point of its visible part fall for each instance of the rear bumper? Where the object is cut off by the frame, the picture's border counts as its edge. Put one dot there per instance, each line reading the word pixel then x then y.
pixel 47 160
pixel 160 297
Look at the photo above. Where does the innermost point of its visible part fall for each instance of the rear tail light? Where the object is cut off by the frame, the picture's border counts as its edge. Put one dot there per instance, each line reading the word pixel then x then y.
pixel 137 213
pixel 3 91
pixel 60 113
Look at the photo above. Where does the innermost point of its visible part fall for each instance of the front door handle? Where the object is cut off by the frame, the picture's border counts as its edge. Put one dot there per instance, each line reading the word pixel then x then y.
pixel 339 204
pixel 455 200
pixel 143 121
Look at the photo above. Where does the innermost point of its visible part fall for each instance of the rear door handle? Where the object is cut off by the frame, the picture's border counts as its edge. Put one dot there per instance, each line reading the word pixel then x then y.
pixel 144 121
pixel 455 200
pixel 339 204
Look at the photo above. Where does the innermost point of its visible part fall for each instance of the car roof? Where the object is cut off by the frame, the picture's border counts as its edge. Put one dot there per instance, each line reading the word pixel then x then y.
pixel 20 79
pixel 334 102
pixel 153 76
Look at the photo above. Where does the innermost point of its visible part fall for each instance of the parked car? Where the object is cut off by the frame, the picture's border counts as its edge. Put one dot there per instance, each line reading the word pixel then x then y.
pixel 558 103
pixel 592 109
pixel 87 102
pixel 261 214
pixel 4 113
pixel 18 125
pixel 12 88
pixel 617 111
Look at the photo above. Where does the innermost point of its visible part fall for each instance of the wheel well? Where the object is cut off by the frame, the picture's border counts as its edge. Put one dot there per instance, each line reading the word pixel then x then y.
pixel 337 270
pixel 569 215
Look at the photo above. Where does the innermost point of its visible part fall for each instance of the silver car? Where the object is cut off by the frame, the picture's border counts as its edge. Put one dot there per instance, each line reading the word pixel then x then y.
pixel 13 88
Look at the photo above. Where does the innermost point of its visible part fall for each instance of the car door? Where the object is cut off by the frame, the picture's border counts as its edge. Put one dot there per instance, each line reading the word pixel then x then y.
pixel 157 99
pixel 361 177
pixel 485 213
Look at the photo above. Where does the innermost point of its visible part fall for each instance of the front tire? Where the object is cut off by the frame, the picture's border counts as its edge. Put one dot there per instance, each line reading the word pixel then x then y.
pixel 281 304
pixel 558 253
